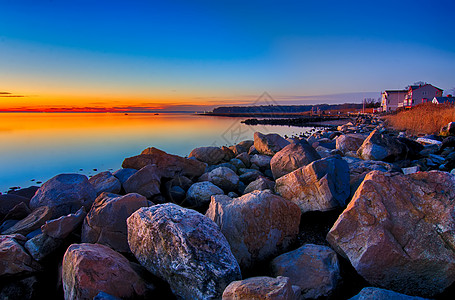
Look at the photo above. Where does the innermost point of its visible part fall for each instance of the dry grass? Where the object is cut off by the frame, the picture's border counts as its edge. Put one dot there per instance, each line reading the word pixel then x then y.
pixel 425 118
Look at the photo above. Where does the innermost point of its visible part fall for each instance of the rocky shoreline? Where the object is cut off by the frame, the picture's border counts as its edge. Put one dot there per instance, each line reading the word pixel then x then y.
pixel 359 211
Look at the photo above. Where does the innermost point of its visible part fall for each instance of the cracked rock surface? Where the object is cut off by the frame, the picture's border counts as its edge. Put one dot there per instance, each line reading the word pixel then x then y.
pixel 398 231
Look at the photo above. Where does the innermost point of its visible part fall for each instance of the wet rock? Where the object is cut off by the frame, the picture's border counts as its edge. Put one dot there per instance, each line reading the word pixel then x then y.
pixel 168 164
pixel 60 228
pixel 199 194
pixel 258 225
pixel 105 182
pixel 269 144
pixel 184 248
pixel 292 157
pixel 269 288
pixel 260 184
pixel 90 268
pixel 209 155
pixel 320 186
pixel 32 222
pixel 42 246
pixel 398 229
pixel 146 182
pixel 349 142
pixel 64 194
pixel 106 221
pixel 373 293
pixel 313 268
pixel 13 257
pixel 224 178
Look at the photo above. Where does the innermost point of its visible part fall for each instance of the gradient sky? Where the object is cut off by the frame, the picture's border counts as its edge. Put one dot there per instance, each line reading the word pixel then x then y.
pixel 188 55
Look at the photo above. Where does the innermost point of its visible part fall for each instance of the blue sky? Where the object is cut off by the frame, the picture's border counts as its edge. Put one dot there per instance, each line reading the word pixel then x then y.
pixel 170 53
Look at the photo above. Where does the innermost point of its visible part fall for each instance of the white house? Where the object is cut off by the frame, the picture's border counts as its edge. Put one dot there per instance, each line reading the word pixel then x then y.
pixel 391 98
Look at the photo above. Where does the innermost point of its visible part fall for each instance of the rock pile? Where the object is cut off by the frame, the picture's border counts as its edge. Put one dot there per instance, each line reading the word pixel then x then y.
pixel 227 222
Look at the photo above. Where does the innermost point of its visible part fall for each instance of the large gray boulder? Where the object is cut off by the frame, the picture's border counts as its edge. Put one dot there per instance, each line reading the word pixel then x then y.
pixel 169 165
pixel 349 142
pixel 184 248
pixel 262 161
pixel 146 182
pixel 88 269
pixel 258 225
pixel 106 221
pixel 380 146
pixel 105 182
pixel 199 194
pixel 64 194
pixel 313 268
pixel 292 157
pixel 397 231
pixel 269 144
pixel 320 186
pixel 224 178
pixel 209 155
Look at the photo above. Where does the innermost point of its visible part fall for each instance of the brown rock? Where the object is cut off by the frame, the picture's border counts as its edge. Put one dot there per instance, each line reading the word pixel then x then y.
pixel 320 186
pixel 13 258
pixel 269 144
pixel 349 142
pixel 105 182
pixel 398 229
pixel 146 182
pixel 260 184
pixel 18 212
pixel 292 157
pixel 9 201
pixel 168 164
pixel 258 225
pixel 106 221
pixel 269 288
pixel 209 155
pixel 380 146
pixel 60 228
pixel 90 268
pixel 33 221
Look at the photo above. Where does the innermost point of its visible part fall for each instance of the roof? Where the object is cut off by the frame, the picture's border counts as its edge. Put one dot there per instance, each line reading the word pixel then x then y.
pixel 445 99
pixel 415 87
pixel 396 91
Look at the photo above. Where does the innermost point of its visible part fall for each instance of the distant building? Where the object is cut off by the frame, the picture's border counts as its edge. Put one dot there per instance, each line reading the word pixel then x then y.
pixel 443 100
pixel 418 94
pixel 391 98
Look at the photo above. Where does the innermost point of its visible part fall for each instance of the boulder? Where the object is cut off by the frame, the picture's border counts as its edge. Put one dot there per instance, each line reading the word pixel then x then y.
pixel 313 268
pixel 224 178
pixel 200 193
pixel 42 245
pixel 60 228
pixel 105 182
pixel 320 186
pixel 292 157
pixel 20 289
pixel 209 155
pixel 380 146
pixel 397 231
pixel 13 257
pixel 374 293
pixel 183 247
pixel 267 288
pixel 9 201
pixel 32 222
pixel 262 161
pixel 269 144
pixel 226 165
pixel 258 225
pixel 168 164
pixel 260 184
pixel 349 142
pixel 146 182
pixel 238 149
pixel 18 212
pixel 245 158
pixel 28 192
pixel 106 221
pixel 64 194
pixel 237 163
pixel 123 174
pixel 228 153
pixel 88 269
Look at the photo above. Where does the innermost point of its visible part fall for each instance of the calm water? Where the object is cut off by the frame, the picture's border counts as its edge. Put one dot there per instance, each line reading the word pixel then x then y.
pixel 37 146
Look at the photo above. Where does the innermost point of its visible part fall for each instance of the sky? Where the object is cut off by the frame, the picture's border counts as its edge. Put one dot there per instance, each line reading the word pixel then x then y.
pixel 196 55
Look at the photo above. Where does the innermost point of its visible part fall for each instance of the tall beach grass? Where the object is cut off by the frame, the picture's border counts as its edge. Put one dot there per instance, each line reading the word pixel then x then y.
pixel 425 118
